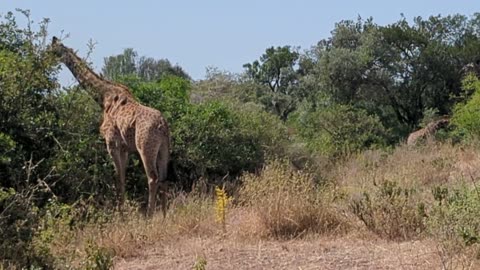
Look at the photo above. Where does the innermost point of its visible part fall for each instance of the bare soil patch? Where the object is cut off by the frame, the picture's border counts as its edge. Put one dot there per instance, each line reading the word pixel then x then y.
pixel 320 253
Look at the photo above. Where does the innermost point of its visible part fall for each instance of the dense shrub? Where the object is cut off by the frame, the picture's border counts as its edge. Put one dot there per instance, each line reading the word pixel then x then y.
pixel 338 129
pixel 466 116
pixel 18 223
pixel 454 218
pixel 391 211
pixel 27 107
pixel 270 132
pixel 82 165
pixel 209 140
pixel 28 117
pixel 169 95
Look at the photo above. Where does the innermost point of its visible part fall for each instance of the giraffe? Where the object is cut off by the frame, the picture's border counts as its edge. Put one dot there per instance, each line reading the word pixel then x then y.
pixel 127 127
pixel 472 67
pixel 428 131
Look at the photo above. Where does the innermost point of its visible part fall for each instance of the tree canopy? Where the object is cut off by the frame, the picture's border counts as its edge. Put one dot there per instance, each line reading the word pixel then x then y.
pixel 147 68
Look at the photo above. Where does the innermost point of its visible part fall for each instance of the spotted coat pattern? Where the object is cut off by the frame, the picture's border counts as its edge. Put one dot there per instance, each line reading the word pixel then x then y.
pixel 127 127
pixel 427 132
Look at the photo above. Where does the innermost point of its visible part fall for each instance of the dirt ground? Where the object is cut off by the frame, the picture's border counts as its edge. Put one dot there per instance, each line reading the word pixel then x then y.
pixel 321 253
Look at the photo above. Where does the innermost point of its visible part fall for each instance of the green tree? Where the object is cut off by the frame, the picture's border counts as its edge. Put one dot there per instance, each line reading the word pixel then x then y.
pixel 399 70
pixel 466 116
pixel 129 63
pixel 28 118
pixel 170 95
pixel 27 108
pixel 277 71
pixel 124 64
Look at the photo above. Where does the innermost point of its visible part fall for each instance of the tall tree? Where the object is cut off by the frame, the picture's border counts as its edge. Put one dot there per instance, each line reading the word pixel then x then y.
pixel 277 70
pixel 402 69
pixel 148 69
pixel 120 65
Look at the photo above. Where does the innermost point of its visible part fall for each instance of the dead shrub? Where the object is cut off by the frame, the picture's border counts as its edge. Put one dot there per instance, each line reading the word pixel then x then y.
pixel 289 203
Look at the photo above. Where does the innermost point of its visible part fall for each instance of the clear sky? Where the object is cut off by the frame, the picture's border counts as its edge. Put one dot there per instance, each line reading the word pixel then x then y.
pixel 220 33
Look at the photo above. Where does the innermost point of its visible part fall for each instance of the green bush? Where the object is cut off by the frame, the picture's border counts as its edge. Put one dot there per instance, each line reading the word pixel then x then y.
pixel 7 145
pixel 19 218
pixel 270 132
pixel 454 219
pixel 169 95
pixel 82 165
pixel 391 211
pixel 209 140
pixel 98 258
pixel 466 115
pixel 27 107
pixel 338 130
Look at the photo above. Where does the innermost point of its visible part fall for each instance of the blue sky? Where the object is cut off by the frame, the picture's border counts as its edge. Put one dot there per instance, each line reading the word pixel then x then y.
pixel 223 34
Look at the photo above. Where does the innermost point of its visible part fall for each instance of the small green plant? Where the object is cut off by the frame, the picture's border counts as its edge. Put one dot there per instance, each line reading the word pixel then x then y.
pixel 19 221
pixel 200 263
pixel 98 258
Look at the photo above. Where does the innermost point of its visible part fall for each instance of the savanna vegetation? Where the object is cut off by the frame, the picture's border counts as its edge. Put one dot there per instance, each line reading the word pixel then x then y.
pixel 303 142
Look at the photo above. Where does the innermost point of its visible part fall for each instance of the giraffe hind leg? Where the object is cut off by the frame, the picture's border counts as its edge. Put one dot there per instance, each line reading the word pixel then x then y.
pixel 150 166
pixel 162 166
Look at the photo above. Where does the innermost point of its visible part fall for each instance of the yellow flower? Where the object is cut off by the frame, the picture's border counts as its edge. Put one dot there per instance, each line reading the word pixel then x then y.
pixel 221 203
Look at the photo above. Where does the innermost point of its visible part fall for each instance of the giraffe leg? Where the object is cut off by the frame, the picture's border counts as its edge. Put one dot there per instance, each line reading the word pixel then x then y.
pixel 162 166
pixel 120 159
pixel 152 175
pixel 123 155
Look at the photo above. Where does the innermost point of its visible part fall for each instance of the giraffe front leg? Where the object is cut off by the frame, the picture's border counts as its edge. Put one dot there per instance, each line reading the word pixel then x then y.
pixel 120 159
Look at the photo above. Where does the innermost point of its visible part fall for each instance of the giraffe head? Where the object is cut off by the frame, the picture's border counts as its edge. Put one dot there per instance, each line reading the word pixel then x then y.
pixel 473 67
pixel 57 48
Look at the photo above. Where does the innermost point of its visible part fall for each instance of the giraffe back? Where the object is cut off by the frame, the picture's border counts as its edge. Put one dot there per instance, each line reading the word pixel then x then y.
pixel 133 125
pixel 427 132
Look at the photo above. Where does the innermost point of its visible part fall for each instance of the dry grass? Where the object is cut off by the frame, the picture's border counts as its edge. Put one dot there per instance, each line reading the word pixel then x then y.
pixel 398 195
pixel 313 253
pixel 289 203
pixel 425 166
pixel 128 234
pixel 375 195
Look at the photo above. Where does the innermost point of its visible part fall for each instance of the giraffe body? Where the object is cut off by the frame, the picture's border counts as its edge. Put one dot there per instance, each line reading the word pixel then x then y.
pixel 127 127
pixel 427 132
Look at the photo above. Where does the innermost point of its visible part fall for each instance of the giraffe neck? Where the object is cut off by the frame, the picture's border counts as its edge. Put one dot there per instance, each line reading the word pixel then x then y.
pixel 93 83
